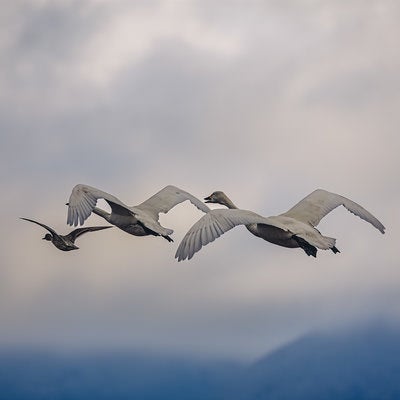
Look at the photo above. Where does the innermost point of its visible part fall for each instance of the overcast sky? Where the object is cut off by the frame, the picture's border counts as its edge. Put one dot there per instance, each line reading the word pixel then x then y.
pixel 266 101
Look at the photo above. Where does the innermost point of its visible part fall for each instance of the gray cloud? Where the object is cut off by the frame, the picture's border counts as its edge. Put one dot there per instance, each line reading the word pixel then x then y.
pixel 265 102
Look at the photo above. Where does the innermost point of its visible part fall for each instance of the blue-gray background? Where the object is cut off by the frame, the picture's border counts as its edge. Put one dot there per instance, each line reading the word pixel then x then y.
pixel 264 100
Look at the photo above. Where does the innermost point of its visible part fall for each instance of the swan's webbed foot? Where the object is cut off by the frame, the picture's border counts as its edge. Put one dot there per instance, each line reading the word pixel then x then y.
pixel 309 249
pixel 335 249
pixel 168 238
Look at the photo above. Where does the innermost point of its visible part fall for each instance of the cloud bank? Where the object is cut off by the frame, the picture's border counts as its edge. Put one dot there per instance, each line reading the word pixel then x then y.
pixel 265 101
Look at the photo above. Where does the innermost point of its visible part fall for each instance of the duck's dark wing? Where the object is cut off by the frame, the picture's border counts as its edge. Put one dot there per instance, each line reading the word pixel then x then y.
pixel 52 231
pixel 80 231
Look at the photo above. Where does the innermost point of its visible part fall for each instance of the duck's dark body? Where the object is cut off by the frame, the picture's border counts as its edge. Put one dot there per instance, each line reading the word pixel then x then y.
pixel 61 242
pixel 66 242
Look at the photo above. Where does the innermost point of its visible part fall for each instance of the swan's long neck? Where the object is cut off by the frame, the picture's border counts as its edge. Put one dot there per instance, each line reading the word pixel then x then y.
pixel 102 213
pixel 226 201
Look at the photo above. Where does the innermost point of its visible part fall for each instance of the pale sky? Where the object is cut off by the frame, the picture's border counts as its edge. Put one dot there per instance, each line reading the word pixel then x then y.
pixel 266 101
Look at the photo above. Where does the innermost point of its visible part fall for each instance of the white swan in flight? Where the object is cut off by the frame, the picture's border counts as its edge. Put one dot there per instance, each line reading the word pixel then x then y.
pixel 141 220
pixel 294 228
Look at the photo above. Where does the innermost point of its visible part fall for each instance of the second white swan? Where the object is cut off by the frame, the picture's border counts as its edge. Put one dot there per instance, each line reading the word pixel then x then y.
pixel 294 228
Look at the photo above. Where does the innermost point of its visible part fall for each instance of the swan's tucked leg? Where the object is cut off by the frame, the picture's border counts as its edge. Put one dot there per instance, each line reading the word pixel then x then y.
pixel 335 249
pixel 309 249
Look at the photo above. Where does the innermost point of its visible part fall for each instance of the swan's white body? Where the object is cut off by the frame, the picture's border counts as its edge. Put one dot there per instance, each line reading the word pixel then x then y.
pixel 138 220
pixel 294 228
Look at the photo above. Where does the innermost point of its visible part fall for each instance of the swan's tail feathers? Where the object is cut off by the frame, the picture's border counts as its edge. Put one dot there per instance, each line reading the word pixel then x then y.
pixel 309 249
pixel 321 242
pixel 168 238
pixel 335 249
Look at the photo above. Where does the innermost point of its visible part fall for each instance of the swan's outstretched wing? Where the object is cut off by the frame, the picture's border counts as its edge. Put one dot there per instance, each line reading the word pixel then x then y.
pixel 213 225
pixel 80 231
pixel 83 200
pixel 167 198
pixel 320 202
pixel 52 231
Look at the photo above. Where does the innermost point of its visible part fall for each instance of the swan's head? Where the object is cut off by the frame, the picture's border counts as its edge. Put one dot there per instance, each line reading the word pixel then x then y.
pixel 48 237
pixel 216 197
pixel 219 197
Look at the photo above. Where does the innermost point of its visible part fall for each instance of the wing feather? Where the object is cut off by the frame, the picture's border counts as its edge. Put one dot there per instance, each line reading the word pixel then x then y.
pixel 167 198
pixel 197 242
pixel 215 223
pixel 214 231
pixel 80 231
pixel 83 200
pixel 319 203
pixel 52 231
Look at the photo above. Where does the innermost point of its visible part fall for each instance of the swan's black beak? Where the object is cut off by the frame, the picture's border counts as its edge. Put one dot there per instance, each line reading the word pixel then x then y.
pixel 208 199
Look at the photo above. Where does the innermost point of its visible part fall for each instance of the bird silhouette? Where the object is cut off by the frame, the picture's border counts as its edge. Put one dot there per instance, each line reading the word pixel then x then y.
pixel 66 242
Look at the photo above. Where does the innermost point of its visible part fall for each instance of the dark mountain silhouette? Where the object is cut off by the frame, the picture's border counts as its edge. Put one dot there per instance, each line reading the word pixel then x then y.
pixel 41 375
pixel 364 364
pixel 361 365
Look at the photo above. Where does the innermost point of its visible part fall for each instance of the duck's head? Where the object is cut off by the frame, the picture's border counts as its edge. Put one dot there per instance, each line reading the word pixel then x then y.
pixel 48 237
